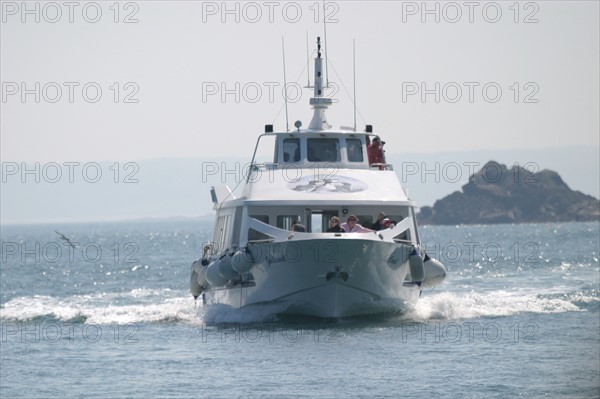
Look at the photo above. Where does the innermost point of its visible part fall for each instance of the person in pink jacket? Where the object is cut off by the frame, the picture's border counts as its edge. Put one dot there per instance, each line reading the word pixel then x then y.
pixel 352 226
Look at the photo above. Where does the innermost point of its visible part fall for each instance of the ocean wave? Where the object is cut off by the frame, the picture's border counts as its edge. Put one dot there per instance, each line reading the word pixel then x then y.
pixel 167 306
pixel 135 306
pixel 452 306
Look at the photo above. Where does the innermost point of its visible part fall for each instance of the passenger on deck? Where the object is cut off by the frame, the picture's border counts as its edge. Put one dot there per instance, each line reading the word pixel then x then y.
pixel 375 152
pixel 297 226
pixel 334 225
pixel 352 226
pixel 382 222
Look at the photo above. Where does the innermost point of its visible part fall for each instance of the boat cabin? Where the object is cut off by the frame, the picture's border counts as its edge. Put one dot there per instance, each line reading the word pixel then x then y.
pixel 347 150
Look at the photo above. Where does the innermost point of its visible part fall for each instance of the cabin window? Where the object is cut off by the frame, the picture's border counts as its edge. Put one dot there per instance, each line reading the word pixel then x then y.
pixel 316 223
pixel 261 218
pixel 319 220
pixel 291 150
pixel 323 150
pixel 285 221
pixel 221 233
pixel 354 150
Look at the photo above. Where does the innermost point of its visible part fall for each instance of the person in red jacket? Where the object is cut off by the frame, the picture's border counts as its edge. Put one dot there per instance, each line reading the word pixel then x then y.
pixel 375 152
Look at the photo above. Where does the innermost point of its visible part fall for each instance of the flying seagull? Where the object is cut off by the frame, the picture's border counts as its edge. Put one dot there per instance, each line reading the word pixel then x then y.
pixel 63 237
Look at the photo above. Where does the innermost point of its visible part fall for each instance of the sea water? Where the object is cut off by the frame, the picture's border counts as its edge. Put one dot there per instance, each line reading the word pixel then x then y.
pixel 518 315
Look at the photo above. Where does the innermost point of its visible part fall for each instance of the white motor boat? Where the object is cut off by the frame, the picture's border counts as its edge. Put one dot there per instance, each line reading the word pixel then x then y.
pixel 316 174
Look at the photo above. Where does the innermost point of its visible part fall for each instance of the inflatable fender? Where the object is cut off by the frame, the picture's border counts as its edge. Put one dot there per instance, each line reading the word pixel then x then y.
pixel 242 260
pixel 213 276
pixel 434 271
pixel 195 287
pixel 225 266
pixel 416 267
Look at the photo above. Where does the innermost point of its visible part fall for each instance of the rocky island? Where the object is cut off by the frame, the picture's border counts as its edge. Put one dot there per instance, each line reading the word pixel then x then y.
pixel 497 194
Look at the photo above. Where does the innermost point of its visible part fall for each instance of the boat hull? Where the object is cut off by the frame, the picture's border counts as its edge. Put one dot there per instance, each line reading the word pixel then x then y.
pixel 329 278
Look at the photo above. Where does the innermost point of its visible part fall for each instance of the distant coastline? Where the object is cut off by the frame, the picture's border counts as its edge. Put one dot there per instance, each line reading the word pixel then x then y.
pixel 498 194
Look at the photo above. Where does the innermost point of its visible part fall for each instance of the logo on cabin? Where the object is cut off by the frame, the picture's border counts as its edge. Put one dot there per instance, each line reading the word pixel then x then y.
pixel 327 184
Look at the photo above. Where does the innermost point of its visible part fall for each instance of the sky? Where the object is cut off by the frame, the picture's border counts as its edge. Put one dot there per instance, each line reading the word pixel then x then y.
pixel 148 88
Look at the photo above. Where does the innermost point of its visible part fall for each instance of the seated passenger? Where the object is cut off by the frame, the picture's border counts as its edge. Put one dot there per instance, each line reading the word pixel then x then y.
pixel 352 226
pixel 378 225
pixel 297 226
pixel 382 222
pixel 334 225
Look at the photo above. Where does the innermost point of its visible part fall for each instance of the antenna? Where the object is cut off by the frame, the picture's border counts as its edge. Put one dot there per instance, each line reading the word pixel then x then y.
pixel 307 63
pixel 287 129
pixel 354 77
pixel 325 42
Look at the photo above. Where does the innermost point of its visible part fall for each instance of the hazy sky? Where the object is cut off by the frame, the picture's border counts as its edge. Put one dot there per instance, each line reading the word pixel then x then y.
pixel 142 80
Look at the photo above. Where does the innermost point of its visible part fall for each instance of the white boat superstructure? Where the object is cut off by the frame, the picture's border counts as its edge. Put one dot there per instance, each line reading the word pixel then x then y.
pixel 315 174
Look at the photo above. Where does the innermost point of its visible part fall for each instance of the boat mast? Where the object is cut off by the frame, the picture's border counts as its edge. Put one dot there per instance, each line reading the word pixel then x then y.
pixel 318 101
pixel 287 124
pixel 354 78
